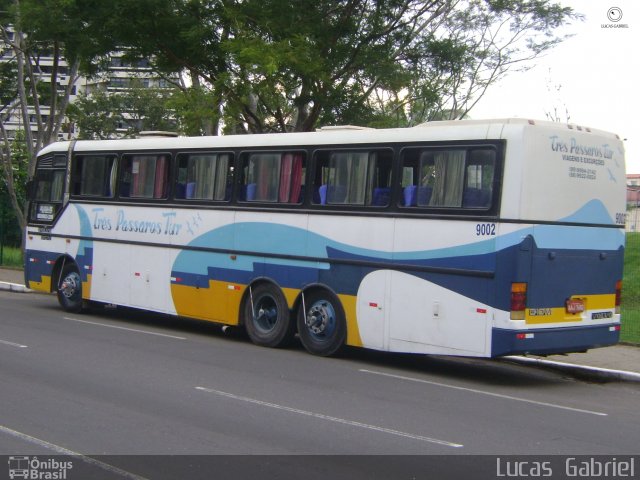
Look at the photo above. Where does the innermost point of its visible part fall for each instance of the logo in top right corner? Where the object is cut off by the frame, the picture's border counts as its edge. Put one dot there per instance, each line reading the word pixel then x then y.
pixel 614 15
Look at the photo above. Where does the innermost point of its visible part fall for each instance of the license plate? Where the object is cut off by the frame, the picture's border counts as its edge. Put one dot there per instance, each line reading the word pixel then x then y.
pixel 575 305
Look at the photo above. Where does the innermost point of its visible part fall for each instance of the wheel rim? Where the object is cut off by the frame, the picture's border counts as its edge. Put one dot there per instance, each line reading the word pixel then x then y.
pixel 265 313
pixel 321 319
pixel 70 286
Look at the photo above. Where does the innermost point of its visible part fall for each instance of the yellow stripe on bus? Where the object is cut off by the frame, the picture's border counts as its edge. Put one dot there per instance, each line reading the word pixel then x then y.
pixel 221 303
pixel 43 286
pixel 559 314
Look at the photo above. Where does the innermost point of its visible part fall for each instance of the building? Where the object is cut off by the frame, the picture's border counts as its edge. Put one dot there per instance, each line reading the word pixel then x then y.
pixel 120 75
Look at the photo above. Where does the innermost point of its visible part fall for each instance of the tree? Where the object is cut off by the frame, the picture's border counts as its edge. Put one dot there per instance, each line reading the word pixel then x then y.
pixel 96 116
pixel 32 31
pixel 454 63
pixel 276 65
pixel 104 115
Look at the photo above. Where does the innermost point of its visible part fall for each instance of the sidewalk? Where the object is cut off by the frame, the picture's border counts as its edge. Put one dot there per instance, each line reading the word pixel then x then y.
pixel 620 362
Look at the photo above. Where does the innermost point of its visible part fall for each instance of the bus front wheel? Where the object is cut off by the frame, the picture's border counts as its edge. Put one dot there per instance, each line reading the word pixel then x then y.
pixel 267 318
pixel 321 323
pixel 70 289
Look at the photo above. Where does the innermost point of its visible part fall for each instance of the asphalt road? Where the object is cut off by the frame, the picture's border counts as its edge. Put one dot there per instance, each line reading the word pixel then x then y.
pixel 121 382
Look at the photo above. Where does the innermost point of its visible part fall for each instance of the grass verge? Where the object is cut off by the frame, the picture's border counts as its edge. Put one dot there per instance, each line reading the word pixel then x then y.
pixel 630 331
pixel 11 257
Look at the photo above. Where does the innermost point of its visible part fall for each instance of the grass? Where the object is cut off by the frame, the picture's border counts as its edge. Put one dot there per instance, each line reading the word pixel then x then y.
pixel 630 331
pixel 11 257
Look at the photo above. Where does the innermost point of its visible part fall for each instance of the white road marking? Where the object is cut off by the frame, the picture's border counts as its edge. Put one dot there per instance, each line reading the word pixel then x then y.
pixel 125 328
pixel 484 392
pixel 65 451
pixel 329 418
pixel 4 342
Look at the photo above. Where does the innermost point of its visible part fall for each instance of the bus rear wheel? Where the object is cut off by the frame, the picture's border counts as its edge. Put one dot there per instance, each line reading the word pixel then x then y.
pixel 321 323
pixel 267 318
pixel 70 289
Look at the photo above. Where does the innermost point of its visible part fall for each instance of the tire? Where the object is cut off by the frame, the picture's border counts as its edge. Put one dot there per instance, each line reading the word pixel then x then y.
pixel 322 327
pixel 70 289
pixel 267 318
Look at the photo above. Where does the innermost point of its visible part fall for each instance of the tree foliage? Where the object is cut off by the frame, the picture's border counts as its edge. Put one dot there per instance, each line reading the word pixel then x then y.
pixel 276 65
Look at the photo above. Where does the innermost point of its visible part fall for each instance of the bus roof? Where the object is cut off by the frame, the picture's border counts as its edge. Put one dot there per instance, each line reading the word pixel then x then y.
pixel 429 131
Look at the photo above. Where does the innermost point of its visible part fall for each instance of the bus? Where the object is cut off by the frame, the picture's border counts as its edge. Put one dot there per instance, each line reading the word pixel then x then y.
pixel 476 238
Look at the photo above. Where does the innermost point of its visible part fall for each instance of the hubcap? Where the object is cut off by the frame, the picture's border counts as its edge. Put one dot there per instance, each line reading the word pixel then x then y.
pixel 321 318
pixel 69 286
pixel 265 314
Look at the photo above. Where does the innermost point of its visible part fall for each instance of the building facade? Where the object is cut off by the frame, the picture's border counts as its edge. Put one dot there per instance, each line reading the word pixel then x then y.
pixel 120 75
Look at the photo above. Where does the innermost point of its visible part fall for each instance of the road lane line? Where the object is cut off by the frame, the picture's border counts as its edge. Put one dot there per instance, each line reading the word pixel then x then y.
pixel 484 392
pixel 329 418
pixel 65 451
pixel 4 342
pixel 125 328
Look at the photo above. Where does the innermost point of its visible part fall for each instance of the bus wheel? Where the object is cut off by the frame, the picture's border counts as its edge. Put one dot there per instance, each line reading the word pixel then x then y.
pixel 70 289
pixel 267 318
pixel 322 327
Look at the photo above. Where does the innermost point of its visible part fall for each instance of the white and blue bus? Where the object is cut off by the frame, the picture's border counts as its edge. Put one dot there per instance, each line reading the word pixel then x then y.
pixel 475 238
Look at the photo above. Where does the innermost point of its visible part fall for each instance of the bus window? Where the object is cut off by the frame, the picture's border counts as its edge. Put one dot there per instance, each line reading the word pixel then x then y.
pixel 273 177
pixel 144 176
pixel 353 178
pixel 94 175
pixel 47 193
pixel 478 190
pixel 204 176
pixel 49 185
pixel 447 178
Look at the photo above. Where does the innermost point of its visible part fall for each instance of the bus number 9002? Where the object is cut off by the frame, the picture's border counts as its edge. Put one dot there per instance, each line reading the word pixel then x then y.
pixel 484 229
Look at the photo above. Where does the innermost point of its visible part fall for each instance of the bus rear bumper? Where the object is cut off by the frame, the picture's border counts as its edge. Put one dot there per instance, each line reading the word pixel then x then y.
pixel 553 340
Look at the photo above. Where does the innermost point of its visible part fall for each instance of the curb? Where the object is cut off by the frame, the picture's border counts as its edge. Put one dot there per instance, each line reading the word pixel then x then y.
pixel 596 373
pixel 14 287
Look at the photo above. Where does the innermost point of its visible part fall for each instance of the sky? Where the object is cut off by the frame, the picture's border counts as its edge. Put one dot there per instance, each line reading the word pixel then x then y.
pixel 598 71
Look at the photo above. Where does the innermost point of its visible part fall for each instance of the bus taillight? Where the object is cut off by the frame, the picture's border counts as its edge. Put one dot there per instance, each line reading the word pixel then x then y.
pixel 518 300
pixel 618 295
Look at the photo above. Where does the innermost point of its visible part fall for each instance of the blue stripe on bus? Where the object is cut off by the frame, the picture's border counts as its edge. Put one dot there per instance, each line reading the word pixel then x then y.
pixel 559 272
pixel 552 340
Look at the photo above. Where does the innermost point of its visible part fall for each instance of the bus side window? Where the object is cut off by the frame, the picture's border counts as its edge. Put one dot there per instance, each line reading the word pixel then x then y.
pixel 273 177
pixel 292 177
pixel 144 176
pixel 435 177
pixel 204 176
pixel 410 177
pixel 353 178
pixel 93 175
pixel 478 191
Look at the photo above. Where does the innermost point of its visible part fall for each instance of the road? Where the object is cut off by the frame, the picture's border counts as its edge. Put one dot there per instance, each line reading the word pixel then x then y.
pixel 119 382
